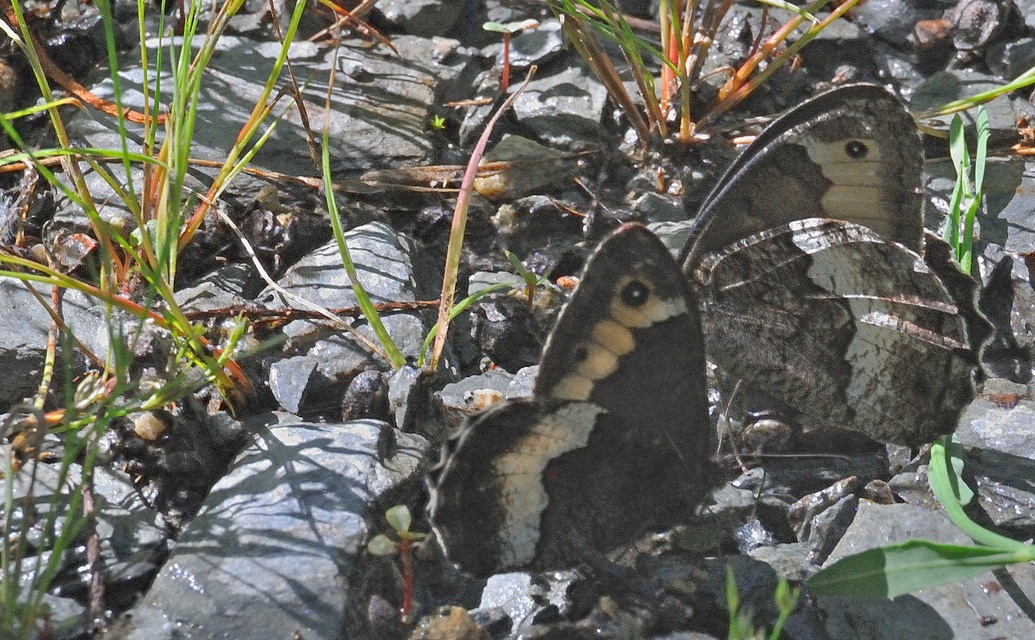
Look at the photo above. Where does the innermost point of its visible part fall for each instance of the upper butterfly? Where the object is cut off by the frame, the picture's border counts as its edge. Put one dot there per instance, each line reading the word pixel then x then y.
pixel 614 442
pixel 805 259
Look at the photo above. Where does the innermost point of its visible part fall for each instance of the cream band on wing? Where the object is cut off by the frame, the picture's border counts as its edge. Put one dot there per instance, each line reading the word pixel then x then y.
pixel 856 184
pixel 612 338
pixel 520 474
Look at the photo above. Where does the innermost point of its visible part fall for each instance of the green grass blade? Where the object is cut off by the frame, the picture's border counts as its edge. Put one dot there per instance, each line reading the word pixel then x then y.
pixel 456 232
pixel 947 485
pixel 787 6
pixel 457 310
pixel 391 351
pixel 1025 79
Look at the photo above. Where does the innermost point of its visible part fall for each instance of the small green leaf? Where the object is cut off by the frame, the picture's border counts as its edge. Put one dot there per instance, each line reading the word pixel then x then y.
pixel 894 570
pixel 510 27
pixel 399 517
pixel 382 545
pixel 530 278
pixel 983 134
pixel 958 145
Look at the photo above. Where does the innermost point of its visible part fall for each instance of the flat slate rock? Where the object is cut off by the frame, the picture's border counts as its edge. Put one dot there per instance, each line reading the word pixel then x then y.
pixel 23 342
pixel 383 262
pixel 269 553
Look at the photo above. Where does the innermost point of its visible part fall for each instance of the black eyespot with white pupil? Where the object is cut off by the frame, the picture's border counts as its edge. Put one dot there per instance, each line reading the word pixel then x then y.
pixel 635 294
pixel 856 150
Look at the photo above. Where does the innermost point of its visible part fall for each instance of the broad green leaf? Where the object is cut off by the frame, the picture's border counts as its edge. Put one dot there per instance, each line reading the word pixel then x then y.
pixel 894 570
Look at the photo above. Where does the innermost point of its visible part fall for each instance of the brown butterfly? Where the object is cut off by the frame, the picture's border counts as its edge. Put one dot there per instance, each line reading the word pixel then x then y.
pixel 807 261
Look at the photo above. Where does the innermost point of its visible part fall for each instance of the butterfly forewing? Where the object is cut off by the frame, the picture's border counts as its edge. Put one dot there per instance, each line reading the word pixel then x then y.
pixel 847 326
pixel 851 154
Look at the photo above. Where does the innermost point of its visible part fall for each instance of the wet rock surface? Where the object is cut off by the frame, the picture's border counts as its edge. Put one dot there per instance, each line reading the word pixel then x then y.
pixel 213 526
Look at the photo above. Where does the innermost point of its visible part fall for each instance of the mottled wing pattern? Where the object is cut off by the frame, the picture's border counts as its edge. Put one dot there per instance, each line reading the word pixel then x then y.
pixel 852 330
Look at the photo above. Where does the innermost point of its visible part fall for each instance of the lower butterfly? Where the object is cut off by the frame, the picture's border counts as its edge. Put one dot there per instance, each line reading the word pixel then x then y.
pixel 615 441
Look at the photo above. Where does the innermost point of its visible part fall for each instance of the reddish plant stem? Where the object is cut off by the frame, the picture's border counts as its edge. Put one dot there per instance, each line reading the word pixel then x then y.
pixel 406 608
pixel 505 76
pixel 95 609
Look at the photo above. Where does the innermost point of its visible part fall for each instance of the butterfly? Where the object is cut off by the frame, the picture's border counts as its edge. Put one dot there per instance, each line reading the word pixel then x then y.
pixel 816 281
pixel 614 442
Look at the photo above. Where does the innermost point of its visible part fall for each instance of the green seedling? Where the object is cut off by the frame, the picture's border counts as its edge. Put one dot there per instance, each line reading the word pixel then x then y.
pixel 438 123
pixel 400 520
pixel 894 570
pixel 508 29
pixel 531 279
pixel 966 195
pixel 741 626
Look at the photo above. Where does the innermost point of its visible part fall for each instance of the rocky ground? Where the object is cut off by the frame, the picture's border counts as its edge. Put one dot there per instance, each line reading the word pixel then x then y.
pixel 256 525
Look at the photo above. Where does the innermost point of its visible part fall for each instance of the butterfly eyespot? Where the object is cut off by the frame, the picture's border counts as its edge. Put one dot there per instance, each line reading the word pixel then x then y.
pixel 635 294
pixel 856 149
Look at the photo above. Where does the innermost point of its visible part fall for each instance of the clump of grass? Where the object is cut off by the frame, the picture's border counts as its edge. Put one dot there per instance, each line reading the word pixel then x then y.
pixel 687 31
pixel 134 281
pixel 967 193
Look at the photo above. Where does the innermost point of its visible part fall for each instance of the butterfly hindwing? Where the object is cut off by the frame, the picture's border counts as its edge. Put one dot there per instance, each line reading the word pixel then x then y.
pixel 613 444
pixel 857 330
